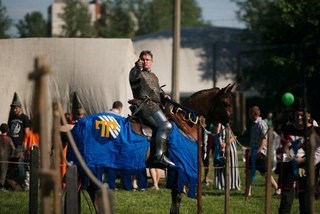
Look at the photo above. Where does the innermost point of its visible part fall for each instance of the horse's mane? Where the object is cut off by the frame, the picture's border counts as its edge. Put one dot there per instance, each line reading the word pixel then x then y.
pixel 198 93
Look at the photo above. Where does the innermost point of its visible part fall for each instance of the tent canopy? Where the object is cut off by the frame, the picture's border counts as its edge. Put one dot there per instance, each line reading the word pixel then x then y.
pixel 96 69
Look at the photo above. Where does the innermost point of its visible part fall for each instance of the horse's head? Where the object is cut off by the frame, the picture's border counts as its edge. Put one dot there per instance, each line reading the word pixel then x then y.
pixel 220 106
pixel 214 104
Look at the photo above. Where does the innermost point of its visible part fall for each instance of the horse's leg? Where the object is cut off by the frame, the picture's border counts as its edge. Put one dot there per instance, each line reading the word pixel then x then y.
pixel 175 201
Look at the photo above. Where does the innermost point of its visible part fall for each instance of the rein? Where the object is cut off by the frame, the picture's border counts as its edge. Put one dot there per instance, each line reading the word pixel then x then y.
pixel 233 137
pixel 139 107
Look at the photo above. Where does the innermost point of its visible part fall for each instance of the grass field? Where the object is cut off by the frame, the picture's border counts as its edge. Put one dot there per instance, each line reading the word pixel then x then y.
pixel 158 202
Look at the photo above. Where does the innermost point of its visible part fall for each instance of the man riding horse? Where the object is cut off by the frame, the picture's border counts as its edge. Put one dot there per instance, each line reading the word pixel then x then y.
pixel 146 90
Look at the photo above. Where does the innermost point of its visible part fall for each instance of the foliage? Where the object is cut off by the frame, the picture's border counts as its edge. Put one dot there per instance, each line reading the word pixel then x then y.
pixel 33 25
pixel 127 18
pixel 285 36
pixel 157 15
pixel 116 20
pixel 5 21
pixel 77 19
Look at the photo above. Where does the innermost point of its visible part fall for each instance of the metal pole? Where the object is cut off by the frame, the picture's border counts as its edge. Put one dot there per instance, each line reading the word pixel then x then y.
pixel 214 64
pixel 175 51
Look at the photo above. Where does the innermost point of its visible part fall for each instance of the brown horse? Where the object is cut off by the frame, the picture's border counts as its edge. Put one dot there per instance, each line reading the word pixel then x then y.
pixel 214 105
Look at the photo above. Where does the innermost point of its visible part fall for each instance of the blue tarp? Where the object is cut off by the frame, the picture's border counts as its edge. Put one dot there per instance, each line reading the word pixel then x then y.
pixel 108 145
pixel 107 140
pixel 183 152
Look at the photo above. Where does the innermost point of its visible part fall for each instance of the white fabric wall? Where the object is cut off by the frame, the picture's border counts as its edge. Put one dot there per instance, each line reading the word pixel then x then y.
pixel 97 69
pixel 195 57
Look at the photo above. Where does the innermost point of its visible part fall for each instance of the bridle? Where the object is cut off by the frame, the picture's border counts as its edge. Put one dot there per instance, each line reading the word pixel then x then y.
pixel 213 107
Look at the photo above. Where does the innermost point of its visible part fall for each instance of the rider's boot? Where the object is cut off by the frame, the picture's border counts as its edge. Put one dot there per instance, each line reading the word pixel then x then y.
pixel 163 127
pixel 160 159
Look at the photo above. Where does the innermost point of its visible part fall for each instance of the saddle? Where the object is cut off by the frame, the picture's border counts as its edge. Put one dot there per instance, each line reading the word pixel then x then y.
pixel 186 119
pixel 140 128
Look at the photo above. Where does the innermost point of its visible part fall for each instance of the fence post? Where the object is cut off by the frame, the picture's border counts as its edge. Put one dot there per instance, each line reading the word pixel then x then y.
pixel 310 155
pixel 247 171
pixel 227 172
pixel 268 194
pixel 71 201
pixel 34 180
pixel 200 143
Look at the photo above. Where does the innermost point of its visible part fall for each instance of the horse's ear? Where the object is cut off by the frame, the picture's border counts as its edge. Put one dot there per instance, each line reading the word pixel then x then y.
pixel 230 87
pixel 225 89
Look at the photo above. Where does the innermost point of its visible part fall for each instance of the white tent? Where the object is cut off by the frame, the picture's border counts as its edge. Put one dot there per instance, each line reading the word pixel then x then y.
pixel 96 69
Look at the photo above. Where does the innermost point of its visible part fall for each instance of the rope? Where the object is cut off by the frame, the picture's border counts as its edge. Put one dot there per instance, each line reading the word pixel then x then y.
pixel 15 162
pixel 105 202
pixel 203 124
pixel 234 137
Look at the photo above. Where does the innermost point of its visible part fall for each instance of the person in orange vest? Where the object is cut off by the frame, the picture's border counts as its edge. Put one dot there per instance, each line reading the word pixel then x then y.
pixel 31 140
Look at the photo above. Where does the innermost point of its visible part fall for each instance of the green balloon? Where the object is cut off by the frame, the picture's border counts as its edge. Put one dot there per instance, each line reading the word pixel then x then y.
pixel 287 99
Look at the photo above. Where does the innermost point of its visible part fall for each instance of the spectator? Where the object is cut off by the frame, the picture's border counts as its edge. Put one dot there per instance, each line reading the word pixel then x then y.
pixel 269 119
pixel 80 114
pixel 258 147
pixel 19 126
pixel 311 120
pixel 117 107
pixel 220 165
pixel 207 150
pixel 155 174
pixel 7 150
pixel 292 176
pixel 31 140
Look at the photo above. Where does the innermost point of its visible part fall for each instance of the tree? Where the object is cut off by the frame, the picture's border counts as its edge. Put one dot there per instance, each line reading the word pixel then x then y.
pixel 128 18
pixel 33 25
pixel 77 20
pixel 116 20
pixel 288 32
pixel 5 21
pixel 157 15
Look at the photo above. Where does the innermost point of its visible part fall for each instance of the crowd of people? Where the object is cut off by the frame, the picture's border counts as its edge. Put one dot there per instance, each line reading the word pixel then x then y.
pixel 291 156
pixel 290 178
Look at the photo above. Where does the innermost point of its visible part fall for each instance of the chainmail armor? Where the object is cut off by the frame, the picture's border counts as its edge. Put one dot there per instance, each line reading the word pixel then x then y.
pixel 144 84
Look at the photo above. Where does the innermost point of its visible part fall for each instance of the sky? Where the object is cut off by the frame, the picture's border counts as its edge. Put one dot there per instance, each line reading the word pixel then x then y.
pixel 220 12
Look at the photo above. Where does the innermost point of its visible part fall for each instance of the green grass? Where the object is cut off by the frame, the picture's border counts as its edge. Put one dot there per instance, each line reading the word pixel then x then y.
pixel 159 202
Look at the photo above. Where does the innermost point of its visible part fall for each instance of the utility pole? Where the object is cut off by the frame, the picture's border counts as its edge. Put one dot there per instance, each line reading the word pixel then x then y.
pixel 214 64
pixel 175 51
